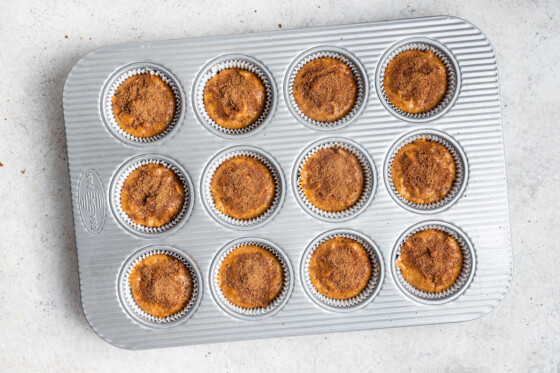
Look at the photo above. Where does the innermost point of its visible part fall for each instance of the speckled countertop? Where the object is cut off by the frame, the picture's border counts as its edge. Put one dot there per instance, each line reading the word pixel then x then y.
pixel 42 325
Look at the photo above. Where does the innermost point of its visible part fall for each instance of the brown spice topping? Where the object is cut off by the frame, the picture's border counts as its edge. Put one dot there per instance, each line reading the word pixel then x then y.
pixel 332 179
pixel 155 192
pixel 423 171
pixel 235 95
pixel 167 284
pixel 415 81
pixel 242 187
pixel 325 89
pixel 435 255
pixel 146 99
pixel 254 275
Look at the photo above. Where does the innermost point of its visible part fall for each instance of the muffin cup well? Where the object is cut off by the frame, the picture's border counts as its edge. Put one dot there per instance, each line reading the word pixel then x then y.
pixel 129 304
pixel 453 78
pixel 115 196
pixel 461 171
pixel 113 84
pixel 208 200
pixel 212 69
pixel 461 283
pixel 365 296
pixel 333 52
pixel 370 179
pixel 251 313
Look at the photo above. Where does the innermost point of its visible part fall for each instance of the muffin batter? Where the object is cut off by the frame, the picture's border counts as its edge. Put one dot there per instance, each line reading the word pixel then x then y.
pixel 415 81
pixel 250 277
pixel 144 105
pixel 325 89
pixel 332 179
pixel 430 260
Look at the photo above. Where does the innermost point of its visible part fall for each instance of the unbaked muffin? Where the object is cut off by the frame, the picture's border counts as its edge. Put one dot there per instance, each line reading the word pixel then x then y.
pixel 161 285
pixel 430 260
pixel 340 268
pixel 250 277
pixel 144 105
pixel 325 89
pixel 234 98
pixel 242 188
pixel 423 171
pixel 415 81
pixel 332 179
pixel 152 195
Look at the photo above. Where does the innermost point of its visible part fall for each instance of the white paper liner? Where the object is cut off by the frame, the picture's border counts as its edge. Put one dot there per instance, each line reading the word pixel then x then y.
pixel 232 222
pixel 214 70
pixel 352 63
pixel 260 311
pixel 462 281
pixel 460 166
pixel 131 303
pixel 369 181
pixel 111 93
pixel 365 294
pixel 451 79
pixel 123 215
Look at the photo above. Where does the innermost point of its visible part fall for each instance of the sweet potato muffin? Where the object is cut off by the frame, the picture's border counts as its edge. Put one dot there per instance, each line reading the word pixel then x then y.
pixel 152 195
pixel 332 179
pixel 161 285
pixel 234 98
pixel 242 188
pixel 144 105
pixel 250 277
pixel 430 260
pixel 423 172
pixel 325 89
pixel 415 81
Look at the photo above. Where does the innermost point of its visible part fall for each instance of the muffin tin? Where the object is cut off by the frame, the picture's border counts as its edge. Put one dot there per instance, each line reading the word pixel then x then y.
pixel 98 154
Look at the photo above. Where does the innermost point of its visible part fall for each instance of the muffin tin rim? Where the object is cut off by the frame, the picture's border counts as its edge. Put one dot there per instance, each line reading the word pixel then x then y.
pixel 299 160
pixel 273 162
pixel 106 90
pixel 121 276
pixel 325 48
pixel 113 184
pixel 422 40
pixel 229 57
pixel 351 232
pixel 452 142
pixel 212 268
pixel 400 241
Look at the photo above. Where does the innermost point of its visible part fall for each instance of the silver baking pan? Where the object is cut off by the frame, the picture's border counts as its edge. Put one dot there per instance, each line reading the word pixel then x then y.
pixel 470 120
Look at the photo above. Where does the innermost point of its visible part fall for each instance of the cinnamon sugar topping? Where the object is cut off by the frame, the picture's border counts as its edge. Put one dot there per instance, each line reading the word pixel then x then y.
pixel 144 105
pixel 423 171
pixel 325 89
pixel 415 81
pixel 332 179
pixel 152 195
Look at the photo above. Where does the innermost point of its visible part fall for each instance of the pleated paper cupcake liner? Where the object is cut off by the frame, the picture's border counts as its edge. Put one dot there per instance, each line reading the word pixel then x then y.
pixel 270 164
pixel 370 179
pixel 453 78
pixel 145 318
pixel 461 283
pixel 123 218
pixel 461 171
pixel 356 68
pixel 139 69
pixel 252 313
pixel 366 295
pixel 214 68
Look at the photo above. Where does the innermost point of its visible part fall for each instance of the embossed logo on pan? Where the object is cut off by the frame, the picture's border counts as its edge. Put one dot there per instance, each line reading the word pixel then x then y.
pixel 91 201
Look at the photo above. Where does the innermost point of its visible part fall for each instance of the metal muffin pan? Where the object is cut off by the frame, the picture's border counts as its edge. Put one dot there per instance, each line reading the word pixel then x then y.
pixel 104 246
